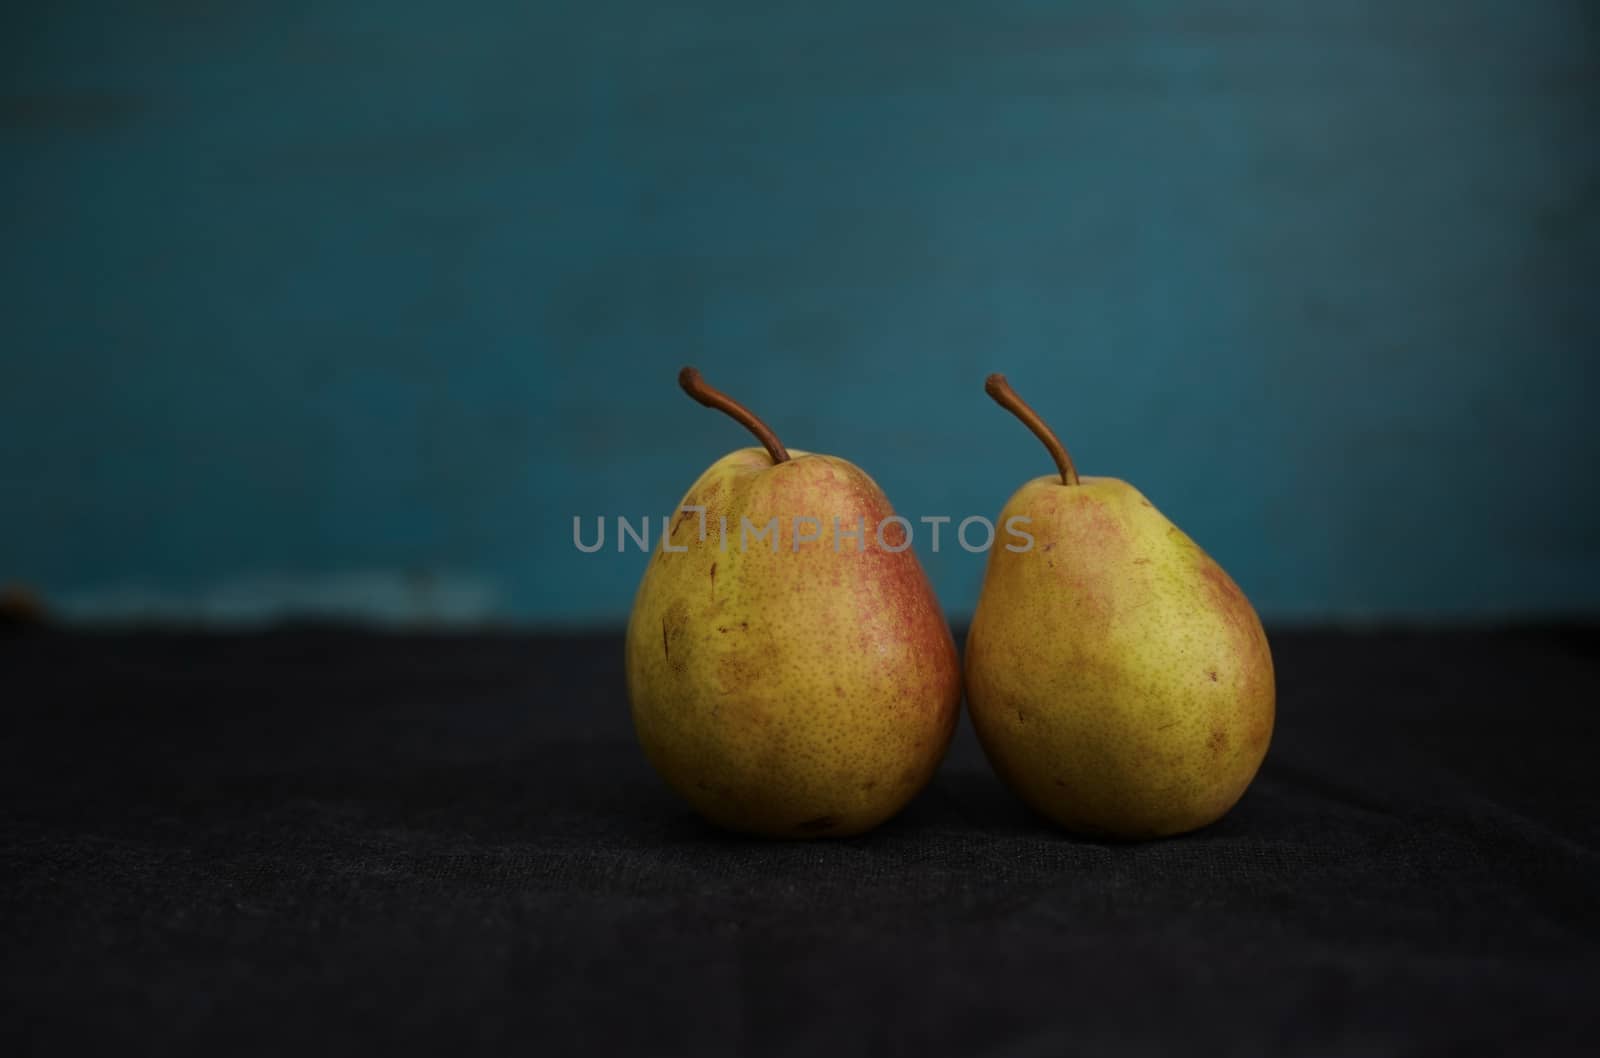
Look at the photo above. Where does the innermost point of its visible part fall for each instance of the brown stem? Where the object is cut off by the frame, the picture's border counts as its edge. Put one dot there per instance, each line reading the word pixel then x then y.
pixel 998 388
pixel 697 388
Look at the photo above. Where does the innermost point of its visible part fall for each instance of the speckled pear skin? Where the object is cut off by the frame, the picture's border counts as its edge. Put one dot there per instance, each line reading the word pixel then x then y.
pixel 1118 679
pixel 797 694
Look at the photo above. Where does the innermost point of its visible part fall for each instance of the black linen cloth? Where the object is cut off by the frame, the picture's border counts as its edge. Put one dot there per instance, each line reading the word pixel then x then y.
pixel 315 841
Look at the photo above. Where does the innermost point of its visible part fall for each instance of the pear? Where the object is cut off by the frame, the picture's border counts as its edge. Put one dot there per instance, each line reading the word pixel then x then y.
pixel 1118 679
pixel 802 684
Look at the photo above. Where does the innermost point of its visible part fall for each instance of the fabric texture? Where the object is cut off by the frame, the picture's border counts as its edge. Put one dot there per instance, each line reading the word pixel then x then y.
pixel 313 841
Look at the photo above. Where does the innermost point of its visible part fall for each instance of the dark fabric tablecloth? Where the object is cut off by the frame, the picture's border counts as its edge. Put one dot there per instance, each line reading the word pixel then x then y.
pixel 334 841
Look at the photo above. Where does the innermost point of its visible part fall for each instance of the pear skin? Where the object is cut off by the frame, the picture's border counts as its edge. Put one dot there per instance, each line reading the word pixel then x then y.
pixel 790 688
pixel 1119 681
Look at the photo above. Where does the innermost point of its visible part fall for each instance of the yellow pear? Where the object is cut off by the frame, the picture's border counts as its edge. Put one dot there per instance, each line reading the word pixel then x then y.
pixel 1118 679
pixel 798 683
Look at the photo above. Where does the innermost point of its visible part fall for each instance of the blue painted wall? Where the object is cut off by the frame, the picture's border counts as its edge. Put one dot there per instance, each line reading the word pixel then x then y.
pixel 351 307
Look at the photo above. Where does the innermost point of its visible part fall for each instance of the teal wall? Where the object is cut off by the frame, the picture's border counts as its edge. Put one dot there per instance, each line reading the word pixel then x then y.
pixel 349 308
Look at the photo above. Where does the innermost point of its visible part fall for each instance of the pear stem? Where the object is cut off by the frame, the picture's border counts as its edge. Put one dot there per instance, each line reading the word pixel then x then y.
pixel 998 388
pixel 697 388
